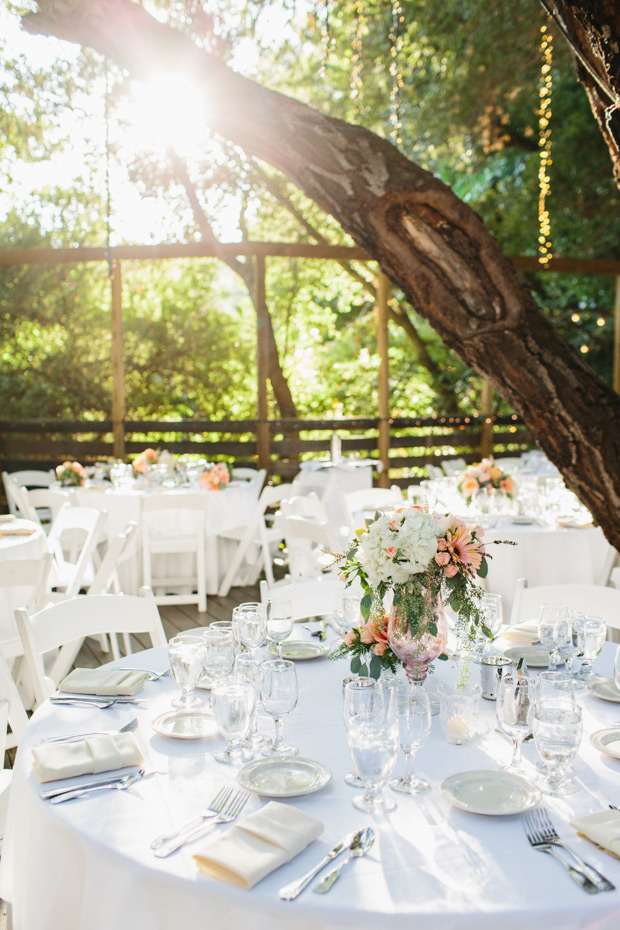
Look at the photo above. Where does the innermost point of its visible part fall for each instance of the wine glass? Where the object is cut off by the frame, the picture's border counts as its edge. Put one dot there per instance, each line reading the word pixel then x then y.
pixel 250 624
pixel 234 702
pixel 565 639
pixel 249 669
pixel 515 698
pixel 278 690
pixel 414 723
pixel 617 668
pixel 557 733
pixel 549 616
pixel 591 636
pixel 354 703
pixel 373 739
pixel 185 653
pixel 279 621
pixel 219 653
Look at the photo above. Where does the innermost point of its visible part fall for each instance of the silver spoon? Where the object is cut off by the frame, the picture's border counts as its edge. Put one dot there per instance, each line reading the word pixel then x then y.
pixel 360 844
pixel 126 782
pixel 128 728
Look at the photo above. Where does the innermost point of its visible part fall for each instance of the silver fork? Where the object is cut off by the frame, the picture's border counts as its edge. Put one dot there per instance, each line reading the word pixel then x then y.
pixel 230 813
pixel 212 810
pixel 152 676
pixel 128 728
pixel 537 841
pixel 551 836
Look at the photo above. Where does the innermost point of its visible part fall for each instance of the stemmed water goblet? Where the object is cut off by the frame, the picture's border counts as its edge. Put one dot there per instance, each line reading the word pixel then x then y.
pixel 515 699
pixel 373 737
pixel 565 638
pixel 278 690
pixel 550 614
pixel 491 612
pixel 249 669
pixel 185 653
pixel 219 653
pixel 234 702
pixel 557 730
pixel 414 723
pixel 591 636
pixel 279 621
pixel 354 704
pixel 250 624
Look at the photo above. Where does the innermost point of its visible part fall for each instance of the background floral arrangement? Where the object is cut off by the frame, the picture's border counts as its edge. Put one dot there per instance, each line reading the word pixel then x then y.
pixel 70 474
pixel 215 477
pixel 417 556
pixel 143 462
pixel 484 476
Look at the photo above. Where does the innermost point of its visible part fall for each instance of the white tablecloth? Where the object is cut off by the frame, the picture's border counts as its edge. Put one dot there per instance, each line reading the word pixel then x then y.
pixel 13 548
pixel 86 865
pixel 544 556
pixel 226 509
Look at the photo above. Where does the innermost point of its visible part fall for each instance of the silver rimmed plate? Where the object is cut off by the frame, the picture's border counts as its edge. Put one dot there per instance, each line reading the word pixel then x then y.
pixel 535 656
pixel 285 777
pixel 607 741
pixel 490 793
pixel 186 724
pixel 605 689
pixel 298 650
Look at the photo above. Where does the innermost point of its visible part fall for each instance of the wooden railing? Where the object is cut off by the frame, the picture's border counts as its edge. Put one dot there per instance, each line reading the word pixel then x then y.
pixel 413 442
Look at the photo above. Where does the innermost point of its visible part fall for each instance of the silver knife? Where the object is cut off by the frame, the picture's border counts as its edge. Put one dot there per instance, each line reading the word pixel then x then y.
pixel 95 699
pixel 289 892
pixel 125 782
pixel 53 792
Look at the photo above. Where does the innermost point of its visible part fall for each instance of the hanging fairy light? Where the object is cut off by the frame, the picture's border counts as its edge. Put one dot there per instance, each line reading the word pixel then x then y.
pixel 544 144
pixel 396 44
pixel 328 41
pixel 356 58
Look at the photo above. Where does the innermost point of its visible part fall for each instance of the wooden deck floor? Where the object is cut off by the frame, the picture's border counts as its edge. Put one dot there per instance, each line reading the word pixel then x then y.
pixel 175 620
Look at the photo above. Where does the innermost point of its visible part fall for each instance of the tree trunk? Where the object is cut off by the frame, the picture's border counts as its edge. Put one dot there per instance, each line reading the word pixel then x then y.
pixel 427 241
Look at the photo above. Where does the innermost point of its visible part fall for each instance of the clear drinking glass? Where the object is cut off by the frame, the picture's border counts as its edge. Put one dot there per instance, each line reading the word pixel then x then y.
pixel 250 624
pixel 564 640
pixel 353 705
pixel 557 733
pixel 185 653
pixel 491 611
pixel 549 616
pixel 249 669
pixel 591 636
pixel 278 690
pixel 554 687
pixel 234 702
pixel 617 669
pixel 515 698
pixel 414 724
pixel 279 621
pixel 373 742
pixel 219 654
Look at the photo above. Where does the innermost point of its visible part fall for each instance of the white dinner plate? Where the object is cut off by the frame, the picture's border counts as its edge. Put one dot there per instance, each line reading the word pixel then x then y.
pixel 493 793
pixel 607 741
pixel 299 649
pixel 185 724
pixel 284 777
pixel 605 689
pixel 535 656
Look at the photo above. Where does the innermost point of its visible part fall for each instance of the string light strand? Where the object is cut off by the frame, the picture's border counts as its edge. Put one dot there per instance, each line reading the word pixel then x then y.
pixel 356 58
pixel 328 38
pixel 544 143
pixel 396 44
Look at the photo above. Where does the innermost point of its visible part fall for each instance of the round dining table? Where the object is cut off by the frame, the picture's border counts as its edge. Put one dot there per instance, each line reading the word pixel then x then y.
pixel 87 864
pixel 19 539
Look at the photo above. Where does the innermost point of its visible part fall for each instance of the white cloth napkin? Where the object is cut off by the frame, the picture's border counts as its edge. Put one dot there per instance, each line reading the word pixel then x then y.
pixel 603 828
pixel 90 756
pixel 103 681
pixel 258 845
pixel 524 634
pixel 17 531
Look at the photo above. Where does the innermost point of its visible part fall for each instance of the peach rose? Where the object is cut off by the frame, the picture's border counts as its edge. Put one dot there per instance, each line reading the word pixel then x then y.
pixel 507 485
pixel 442 558
pixel 379 648
pixel 451 570
pixel 391 551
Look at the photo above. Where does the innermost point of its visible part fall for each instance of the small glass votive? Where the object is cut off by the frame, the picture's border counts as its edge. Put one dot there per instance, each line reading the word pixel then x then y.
pixel 458 712
pixel 491 668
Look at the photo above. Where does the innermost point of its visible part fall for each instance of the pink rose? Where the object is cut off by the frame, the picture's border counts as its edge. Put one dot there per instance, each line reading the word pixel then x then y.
pixel 394 524
pixel 391 551
pixel 441 545
pixel 451 570
pixel 366 634
pixel 442 558
pixel 379 648
pixel 349 638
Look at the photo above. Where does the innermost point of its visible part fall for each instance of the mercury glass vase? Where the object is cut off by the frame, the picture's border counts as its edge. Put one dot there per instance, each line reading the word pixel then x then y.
pixel 417 640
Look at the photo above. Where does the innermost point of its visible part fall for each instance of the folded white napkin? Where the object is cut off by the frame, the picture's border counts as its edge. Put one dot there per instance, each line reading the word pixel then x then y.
pixel 258 845
pixel 103 681
pixel 17 531
pixel 524 634
pixel 90 756
pixel 603 828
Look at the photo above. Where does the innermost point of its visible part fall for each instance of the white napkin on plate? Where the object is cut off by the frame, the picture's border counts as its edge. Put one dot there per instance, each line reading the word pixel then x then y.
pixel 603 828
pixel 103 681
pixel 258 845
pixel 524 634
pixel 90 756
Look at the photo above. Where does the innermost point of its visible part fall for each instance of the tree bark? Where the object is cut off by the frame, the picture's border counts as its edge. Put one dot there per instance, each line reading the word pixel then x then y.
pixel 426 240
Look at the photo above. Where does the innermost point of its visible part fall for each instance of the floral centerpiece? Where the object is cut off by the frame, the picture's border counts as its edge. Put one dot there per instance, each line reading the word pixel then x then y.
pixel 420 558
pixel 215 477
pixel 485 476
pixel 142 463
pixel 70 474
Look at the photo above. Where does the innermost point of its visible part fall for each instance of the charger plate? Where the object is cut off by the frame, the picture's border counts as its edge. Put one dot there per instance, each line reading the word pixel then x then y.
pixel 299 650
pixel 284 776
pixel 607 741
pixel 491 793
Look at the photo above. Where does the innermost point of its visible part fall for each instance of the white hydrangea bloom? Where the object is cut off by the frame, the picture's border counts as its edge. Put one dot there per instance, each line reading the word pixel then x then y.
pixel 414 535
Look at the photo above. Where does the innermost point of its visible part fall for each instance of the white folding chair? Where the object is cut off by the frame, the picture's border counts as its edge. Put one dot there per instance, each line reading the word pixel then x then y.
pixel 175 526
pixel 106 579
pixel 13 714
pixel 594 599
pixel 453 466
pixel 42 505
pixel 364 503
pixel 29 578
pixel 256 536
pixel 28 478
pixel 308 544
pixel 315 598
pixel 64 626
pixel 256 476
pixel 79 530
pixel 304 505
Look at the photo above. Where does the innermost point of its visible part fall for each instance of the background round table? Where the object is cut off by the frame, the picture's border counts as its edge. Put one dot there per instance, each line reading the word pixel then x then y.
pixel 12 548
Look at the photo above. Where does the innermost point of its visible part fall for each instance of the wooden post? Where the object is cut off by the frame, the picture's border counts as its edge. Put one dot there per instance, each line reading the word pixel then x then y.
pixel 116 357
pixel 617 338
pixel 262 423
pixel 382 310
pixel 486 429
